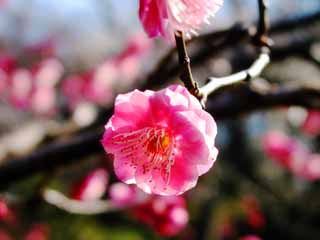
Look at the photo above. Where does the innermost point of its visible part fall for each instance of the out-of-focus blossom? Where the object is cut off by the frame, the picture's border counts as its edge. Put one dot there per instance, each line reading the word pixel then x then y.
pixel 20 88
pixel 72 89
pixel 4 210
pixel 168 216
pixel 93 186
pixel 162 141
pixel 162 17
pixel 38 232
pixel 116 73
pixel 43 101
pixel 7 63
pixel 311 168
pixel 99 88
pixel 126 195
pixel 253 212
pixel 250 237
pixel 122 194
pixel 3 234
pixel 281 148
pixel 226 229
pixel 311 125
pixel 291 154
pixel 4 78
pixel 45 48
pixel 7 213
pixel 48 72
pixel 129 61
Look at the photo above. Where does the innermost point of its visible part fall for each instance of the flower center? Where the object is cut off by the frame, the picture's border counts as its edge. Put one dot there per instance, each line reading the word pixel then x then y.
pixel 151 148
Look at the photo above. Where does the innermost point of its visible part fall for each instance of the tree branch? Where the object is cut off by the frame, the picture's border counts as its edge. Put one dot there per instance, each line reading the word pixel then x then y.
pixel 184 60
pixel 261 39
pixel 243 101
pixel 252 72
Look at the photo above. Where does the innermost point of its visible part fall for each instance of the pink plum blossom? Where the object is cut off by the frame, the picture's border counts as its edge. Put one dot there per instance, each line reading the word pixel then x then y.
pixel 311 125
pixel 162 17
pixel 93 186
pixel 168 216
pixel 162 141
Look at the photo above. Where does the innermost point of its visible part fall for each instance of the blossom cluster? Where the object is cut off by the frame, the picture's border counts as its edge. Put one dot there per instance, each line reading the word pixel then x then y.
pixel 291 154
pixel 12 225
pixel 167 216
pixel 37 88
pixel 30 89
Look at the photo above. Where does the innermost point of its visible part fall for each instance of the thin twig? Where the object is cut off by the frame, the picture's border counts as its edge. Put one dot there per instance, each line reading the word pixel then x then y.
pixel 62 202
pixel 263 24
pixel 262 40
pixel 252 72
pixel 185 71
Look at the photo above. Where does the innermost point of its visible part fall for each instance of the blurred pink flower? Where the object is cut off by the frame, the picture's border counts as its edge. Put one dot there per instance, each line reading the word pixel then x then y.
pixel 93 186
pixel 311 125
pixel 4 235
pixel 7 63
pixel 43 101
pixel 99 87
pixel 292 155
pixel 311 169
pixel 250 237
pixel 72 88
pixel 48 72
pixel 122 194
pixel 168 216
pixel 162 17
pixel 4 210
pixel 281 148
pixel 162 141
pixel 253 212
pixel 20 88
pixel 38 232
pixel 4 78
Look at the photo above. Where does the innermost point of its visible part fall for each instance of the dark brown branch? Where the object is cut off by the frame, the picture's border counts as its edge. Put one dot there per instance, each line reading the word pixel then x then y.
pixel 263 24
pixel 185 68
pixel 262 40
pixel 211 44
pixel 244 100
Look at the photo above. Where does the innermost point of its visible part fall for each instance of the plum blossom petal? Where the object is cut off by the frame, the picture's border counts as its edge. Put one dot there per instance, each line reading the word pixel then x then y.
pixel 163 17
pixel 162 141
